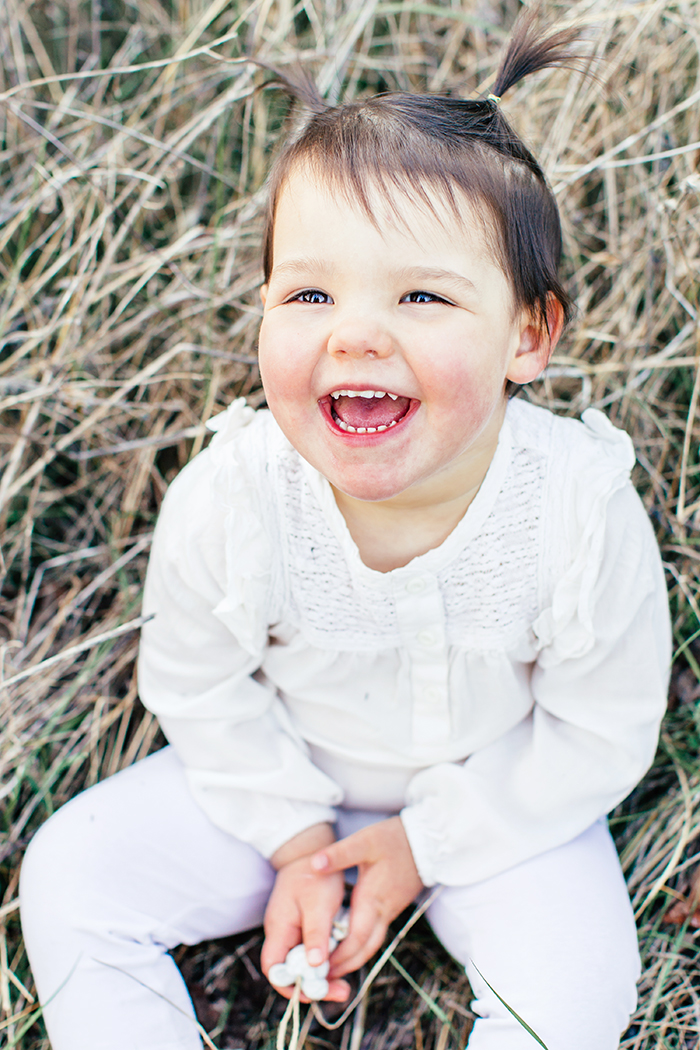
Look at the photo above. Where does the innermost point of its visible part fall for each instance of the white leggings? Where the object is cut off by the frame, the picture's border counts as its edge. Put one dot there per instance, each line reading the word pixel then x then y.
pixel 132 867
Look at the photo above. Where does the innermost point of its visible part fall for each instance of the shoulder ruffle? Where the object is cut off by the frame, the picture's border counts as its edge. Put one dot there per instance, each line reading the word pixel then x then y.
pixel 598 467
pixel 247 547
pixel 227 424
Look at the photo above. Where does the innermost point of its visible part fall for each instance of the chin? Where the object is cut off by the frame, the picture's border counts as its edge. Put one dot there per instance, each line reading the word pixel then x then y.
pixel 369 490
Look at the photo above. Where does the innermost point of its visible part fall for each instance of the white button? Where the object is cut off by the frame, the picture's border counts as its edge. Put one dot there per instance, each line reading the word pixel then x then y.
pixel 426 638
pixel 433 694
pixel 416 585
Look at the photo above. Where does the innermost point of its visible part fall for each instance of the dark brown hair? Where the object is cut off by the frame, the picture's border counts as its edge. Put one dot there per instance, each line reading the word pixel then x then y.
pixel 413 143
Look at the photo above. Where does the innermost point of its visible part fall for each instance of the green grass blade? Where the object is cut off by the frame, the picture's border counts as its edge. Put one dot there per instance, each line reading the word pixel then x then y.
pixel 430 1002
pixel 510 1009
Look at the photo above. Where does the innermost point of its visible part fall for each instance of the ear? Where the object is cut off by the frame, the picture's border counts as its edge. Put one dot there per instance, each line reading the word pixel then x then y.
pixel 536 344
pixel 263 293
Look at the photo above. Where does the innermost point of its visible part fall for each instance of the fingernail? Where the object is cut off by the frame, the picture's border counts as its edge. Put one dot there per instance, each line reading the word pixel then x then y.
pixel 319 862
pixel 314 957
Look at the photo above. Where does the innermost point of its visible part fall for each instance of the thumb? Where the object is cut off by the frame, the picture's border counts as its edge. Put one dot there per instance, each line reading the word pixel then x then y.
pixel 345 853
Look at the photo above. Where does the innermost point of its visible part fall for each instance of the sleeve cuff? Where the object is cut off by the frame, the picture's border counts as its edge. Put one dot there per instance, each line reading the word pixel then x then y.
pixel 263 821
pixel 424 846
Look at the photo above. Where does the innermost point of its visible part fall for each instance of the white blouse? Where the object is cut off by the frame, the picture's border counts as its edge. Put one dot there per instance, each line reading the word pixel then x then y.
pixel 502 691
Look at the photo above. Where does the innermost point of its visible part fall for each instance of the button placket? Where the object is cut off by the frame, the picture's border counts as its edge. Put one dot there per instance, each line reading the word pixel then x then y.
pixel 421 618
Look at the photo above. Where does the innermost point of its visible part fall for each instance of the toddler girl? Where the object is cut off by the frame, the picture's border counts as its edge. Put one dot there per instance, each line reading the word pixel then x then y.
pixel 400 623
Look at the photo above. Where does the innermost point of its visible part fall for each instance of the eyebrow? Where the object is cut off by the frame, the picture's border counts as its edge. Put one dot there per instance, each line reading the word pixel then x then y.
pixel 419 274
pixel 408 274
pixel 301 267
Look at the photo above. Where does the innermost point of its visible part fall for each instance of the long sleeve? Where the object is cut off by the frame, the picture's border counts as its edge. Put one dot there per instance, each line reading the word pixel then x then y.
pixel 590 736
pixel 246 765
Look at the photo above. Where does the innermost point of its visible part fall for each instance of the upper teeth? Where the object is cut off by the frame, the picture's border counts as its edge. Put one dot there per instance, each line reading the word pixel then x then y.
pixel 363 393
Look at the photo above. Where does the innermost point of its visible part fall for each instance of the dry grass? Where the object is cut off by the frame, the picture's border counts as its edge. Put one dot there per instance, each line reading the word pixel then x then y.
pixel 133 152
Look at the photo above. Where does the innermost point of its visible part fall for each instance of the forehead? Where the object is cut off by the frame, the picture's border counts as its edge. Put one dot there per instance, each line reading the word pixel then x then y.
pixel 316 206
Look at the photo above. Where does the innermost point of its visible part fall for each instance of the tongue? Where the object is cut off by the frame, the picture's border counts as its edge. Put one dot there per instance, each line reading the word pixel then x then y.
pixel 370 411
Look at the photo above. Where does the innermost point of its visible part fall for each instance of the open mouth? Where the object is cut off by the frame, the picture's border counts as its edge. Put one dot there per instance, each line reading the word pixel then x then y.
pixel 367 411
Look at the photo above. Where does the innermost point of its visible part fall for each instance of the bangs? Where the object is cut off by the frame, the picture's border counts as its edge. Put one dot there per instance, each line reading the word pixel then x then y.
pixel 389 197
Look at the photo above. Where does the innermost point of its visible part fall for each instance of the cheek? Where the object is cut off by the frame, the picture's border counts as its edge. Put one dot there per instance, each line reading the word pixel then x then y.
pixel 278 361
pixel 465 390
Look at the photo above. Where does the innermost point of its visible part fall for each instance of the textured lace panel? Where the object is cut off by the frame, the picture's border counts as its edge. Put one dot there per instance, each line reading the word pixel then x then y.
pixel 326 604
pixel 490 592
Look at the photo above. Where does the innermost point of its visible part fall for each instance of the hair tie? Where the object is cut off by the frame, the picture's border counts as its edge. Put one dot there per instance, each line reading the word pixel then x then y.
pixel 493 98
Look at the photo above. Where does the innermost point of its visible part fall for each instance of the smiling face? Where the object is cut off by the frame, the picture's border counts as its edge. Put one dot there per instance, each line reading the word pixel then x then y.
pixel 384 349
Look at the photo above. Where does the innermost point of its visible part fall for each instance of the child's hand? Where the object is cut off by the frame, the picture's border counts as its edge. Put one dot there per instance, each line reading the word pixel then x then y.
pixel 387 882
pixel 302 906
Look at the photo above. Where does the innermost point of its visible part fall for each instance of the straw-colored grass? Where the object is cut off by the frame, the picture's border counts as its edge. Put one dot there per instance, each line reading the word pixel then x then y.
pixel 132 158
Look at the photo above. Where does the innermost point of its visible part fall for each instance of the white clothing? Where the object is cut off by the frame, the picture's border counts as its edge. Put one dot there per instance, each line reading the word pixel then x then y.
pixel 502 691
pixel 133 867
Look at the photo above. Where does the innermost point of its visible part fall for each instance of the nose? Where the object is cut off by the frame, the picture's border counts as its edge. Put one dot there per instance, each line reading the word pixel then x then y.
pixel 360 337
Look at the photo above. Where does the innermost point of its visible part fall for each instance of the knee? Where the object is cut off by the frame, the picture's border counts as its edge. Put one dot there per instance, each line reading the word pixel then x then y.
pixel 569 1007
pixel 62 870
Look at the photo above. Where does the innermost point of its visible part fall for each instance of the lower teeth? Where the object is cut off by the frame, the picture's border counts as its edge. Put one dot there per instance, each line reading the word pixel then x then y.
pixel 364 430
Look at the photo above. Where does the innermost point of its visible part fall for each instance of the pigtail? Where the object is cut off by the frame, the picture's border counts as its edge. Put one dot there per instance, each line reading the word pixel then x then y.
pixel 298 84
pixel 531 48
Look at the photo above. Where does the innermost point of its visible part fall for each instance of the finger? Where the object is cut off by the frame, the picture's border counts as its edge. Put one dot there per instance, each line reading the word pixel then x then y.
pixel 338 992
pixel 356 955
pixel 345 853
pixel 280 938
pixel 316 931
pixel 367 931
